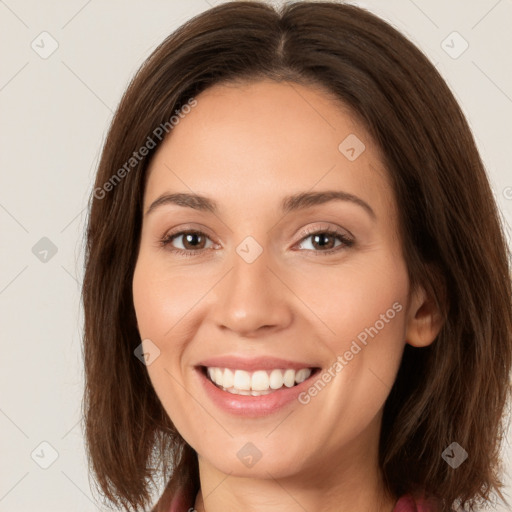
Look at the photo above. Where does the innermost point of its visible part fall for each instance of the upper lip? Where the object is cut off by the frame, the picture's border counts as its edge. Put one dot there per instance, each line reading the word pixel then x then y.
pixel 253 363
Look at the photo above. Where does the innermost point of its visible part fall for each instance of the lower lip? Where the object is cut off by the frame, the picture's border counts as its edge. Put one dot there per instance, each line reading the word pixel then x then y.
pixel 252 406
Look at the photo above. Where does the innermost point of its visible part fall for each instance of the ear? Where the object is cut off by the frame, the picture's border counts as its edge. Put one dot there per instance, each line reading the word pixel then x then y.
pixel 424 320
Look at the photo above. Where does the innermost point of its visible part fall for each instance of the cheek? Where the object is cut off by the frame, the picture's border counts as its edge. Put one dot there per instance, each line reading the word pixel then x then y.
pixel 161 304
pixel 164 297
pixel 363 311
pixel 366 299
pixel 169 304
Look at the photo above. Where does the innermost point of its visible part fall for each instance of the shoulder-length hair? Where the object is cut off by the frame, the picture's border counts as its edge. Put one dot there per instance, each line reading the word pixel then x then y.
pixel 454 390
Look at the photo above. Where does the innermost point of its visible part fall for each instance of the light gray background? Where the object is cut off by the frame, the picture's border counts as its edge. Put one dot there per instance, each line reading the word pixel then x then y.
pixel 55 113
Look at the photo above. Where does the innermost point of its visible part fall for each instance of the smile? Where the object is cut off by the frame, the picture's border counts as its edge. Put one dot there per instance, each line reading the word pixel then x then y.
pixel 257 383
pixel 254 387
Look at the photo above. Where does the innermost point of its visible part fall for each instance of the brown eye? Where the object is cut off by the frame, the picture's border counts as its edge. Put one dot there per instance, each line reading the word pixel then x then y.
pixel 325 241
pixel 191 241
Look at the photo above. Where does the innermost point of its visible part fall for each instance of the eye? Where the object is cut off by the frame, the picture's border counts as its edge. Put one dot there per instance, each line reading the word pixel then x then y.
pixel 326 240
pixel 192 239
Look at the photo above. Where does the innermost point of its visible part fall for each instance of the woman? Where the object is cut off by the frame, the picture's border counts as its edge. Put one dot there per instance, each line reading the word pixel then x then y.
pixel 297 292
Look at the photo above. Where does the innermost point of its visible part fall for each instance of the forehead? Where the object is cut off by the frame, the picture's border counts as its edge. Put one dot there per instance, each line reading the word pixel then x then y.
pixel 259 141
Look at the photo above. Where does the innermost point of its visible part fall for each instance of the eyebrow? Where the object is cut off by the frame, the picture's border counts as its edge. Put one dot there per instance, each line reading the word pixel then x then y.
pixel 289 204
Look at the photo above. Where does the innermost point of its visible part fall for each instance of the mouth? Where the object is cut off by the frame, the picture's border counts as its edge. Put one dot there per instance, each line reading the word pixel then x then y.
pixel 256 386
pixel 256 383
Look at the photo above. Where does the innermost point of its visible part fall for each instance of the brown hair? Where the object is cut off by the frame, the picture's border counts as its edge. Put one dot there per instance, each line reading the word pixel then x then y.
pixel 454 390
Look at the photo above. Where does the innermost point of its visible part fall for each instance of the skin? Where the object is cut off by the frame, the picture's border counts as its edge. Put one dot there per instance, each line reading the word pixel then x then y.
pixel 248 146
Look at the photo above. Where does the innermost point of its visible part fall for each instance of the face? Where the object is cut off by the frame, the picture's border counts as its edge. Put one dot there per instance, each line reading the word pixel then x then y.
pixel 284 283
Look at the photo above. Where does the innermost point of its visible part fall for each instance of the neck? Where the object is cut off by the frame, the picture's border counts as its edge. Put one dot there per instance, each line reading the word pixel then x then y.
pixel 353 488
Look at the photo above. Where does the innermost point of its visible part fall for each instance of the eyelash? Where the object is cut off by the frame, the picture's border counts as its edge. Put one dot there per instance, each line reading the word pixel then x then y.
pixel 346 241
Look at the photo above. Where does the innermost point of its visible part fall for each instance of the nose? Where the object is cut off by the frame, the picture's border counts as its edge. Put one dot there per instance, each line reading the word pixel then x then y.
pixel 252 299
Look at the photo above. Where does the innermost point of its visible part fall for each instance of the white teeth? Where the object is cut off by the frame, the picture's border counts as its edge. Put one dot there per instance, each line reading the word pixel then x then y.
pixel 229 378
pixel 289 378
pixel 276 379
pixel 260 382
pixel 302 375
pixel 242 380
pixel 218 375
